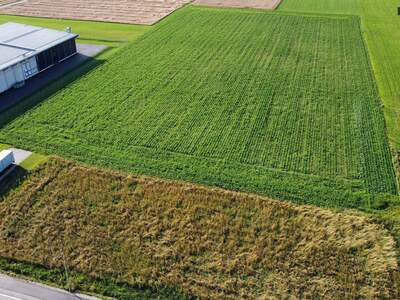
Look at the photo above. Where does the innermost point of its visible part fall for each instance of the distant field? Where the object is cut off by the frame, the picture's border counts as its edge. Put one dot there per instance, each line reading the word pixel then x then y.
pixel 325 6
pixel 141 238
pixel 146 12
pixel 259 4
pixel 6 2
pixel 89 32
pixel 283 105
pixel 381 27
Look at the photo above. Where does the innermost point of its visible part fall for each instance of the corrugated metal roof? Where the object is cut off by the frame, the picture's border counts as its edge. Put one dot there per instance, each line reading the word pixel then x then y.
pixel 19 41
pixel 8 54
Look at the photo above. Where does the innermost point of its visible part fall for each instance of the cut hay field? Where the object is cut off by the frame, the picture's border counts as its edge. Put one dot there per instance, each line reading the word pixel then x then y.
pixel 208 243
pixel 283 105
pixel 381 28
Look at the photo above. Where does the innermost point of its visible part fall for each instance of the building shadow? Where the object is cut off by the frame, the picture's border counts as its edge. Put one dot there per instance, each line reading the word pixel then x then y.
pixel 12 180
pixel 16 102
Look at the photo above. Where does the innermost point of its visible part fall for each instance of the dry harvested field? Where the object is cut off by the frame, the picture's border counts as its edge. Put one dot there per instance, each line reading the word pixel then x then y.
pixel 205 242
pixel 7 2
pixel 122 11
pixel 259 4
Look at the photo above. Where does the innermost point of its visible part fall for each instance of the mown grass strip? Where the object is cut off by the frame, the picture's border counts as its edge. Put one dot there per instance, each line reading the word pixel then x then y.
pixel 112 34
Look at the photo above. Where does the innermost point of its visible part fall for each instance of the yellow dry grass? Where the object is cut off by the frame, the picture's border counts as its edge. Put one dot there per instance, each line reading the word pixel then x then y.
pixel 213 243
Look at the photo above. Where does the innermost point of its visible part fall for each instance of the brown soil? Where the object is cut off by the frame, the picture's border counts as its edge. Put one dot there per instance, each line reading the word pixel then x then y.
pixel 259 4
pixel 145 12
pixel 209 242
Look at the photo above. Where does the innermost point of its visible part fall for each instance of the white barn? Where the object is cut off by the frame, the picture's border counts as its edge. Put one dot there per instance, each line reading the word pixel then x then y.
pixel 28 50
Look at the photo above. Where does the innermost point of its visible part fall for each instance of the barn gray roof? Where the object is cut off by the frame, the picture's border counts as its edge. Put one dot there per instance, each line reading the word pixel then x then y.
pixel 19 42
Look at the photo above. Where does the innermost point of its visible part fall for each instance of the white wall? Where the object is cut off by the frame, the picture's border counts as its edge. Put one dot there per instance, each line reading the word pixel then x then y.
pixel 10 76
pixel 29 67
pixel 18 73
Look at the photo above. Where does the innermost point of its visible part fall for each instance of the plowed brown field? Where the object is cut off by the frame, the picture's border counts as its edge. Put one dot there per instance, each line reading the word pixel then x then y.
pixel 121 11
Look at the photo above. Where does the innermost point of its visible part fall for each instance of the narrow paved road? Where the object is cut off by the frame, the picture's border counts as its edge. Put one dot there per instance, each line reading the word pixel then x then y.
pixel 16 289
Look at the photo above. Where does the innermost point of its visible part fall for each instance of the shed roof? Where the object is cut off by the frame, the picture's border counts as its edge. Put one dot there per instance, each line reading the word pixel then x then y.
pixel 4 154
pixel 20 41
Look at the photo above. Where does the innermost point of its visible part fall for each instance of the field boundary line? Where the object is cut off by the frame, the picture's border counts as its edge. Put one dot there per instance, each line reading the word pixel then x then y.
pixel 138 148
pixel 190 3
pixel 276 12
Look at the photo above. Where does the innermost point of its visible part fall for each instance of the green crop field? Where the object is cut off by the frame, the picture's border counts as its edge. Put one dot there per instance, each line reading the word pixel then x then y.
pixel 381 27
pixel 279 104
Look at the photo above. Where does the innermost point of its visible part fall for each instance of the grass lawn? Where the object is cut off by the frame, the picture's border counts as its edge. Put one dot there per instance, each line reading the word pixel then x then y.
pixel 163 240
pixel 33 161
pixel 111 34
pixel 3 146
pixel 288 108
pixel 381 28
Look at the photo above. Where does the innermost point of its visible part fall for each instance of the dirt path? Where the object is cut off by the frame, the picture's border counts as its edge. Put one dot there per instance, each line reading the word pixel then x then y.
pixel 260 4
pixel 121 11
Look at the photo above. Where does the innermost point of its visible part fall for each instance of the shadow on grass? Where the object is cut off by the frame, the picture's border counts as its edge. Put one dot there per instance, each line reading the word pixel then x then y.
pixel 12 180
pixel 80 282
pixel 9 114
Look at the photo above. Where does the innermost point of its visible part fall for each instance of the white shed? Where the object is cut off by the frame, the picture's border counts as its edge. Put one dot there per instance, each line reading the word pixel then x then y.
pixel 28 50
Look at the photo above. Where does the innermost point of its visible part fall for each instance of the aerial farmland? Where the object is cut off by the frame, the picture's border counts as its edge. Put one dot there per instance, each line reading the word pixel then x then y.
pixel 123 11
pixel 215 149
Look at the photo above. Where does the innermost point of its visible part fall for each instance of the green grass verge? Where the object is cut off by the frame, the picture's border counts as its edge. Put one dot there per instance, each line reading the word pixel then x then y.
pixel 287 108
pixel 4 146
pixel 33 161
pixel 74 282
pixel 111 34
